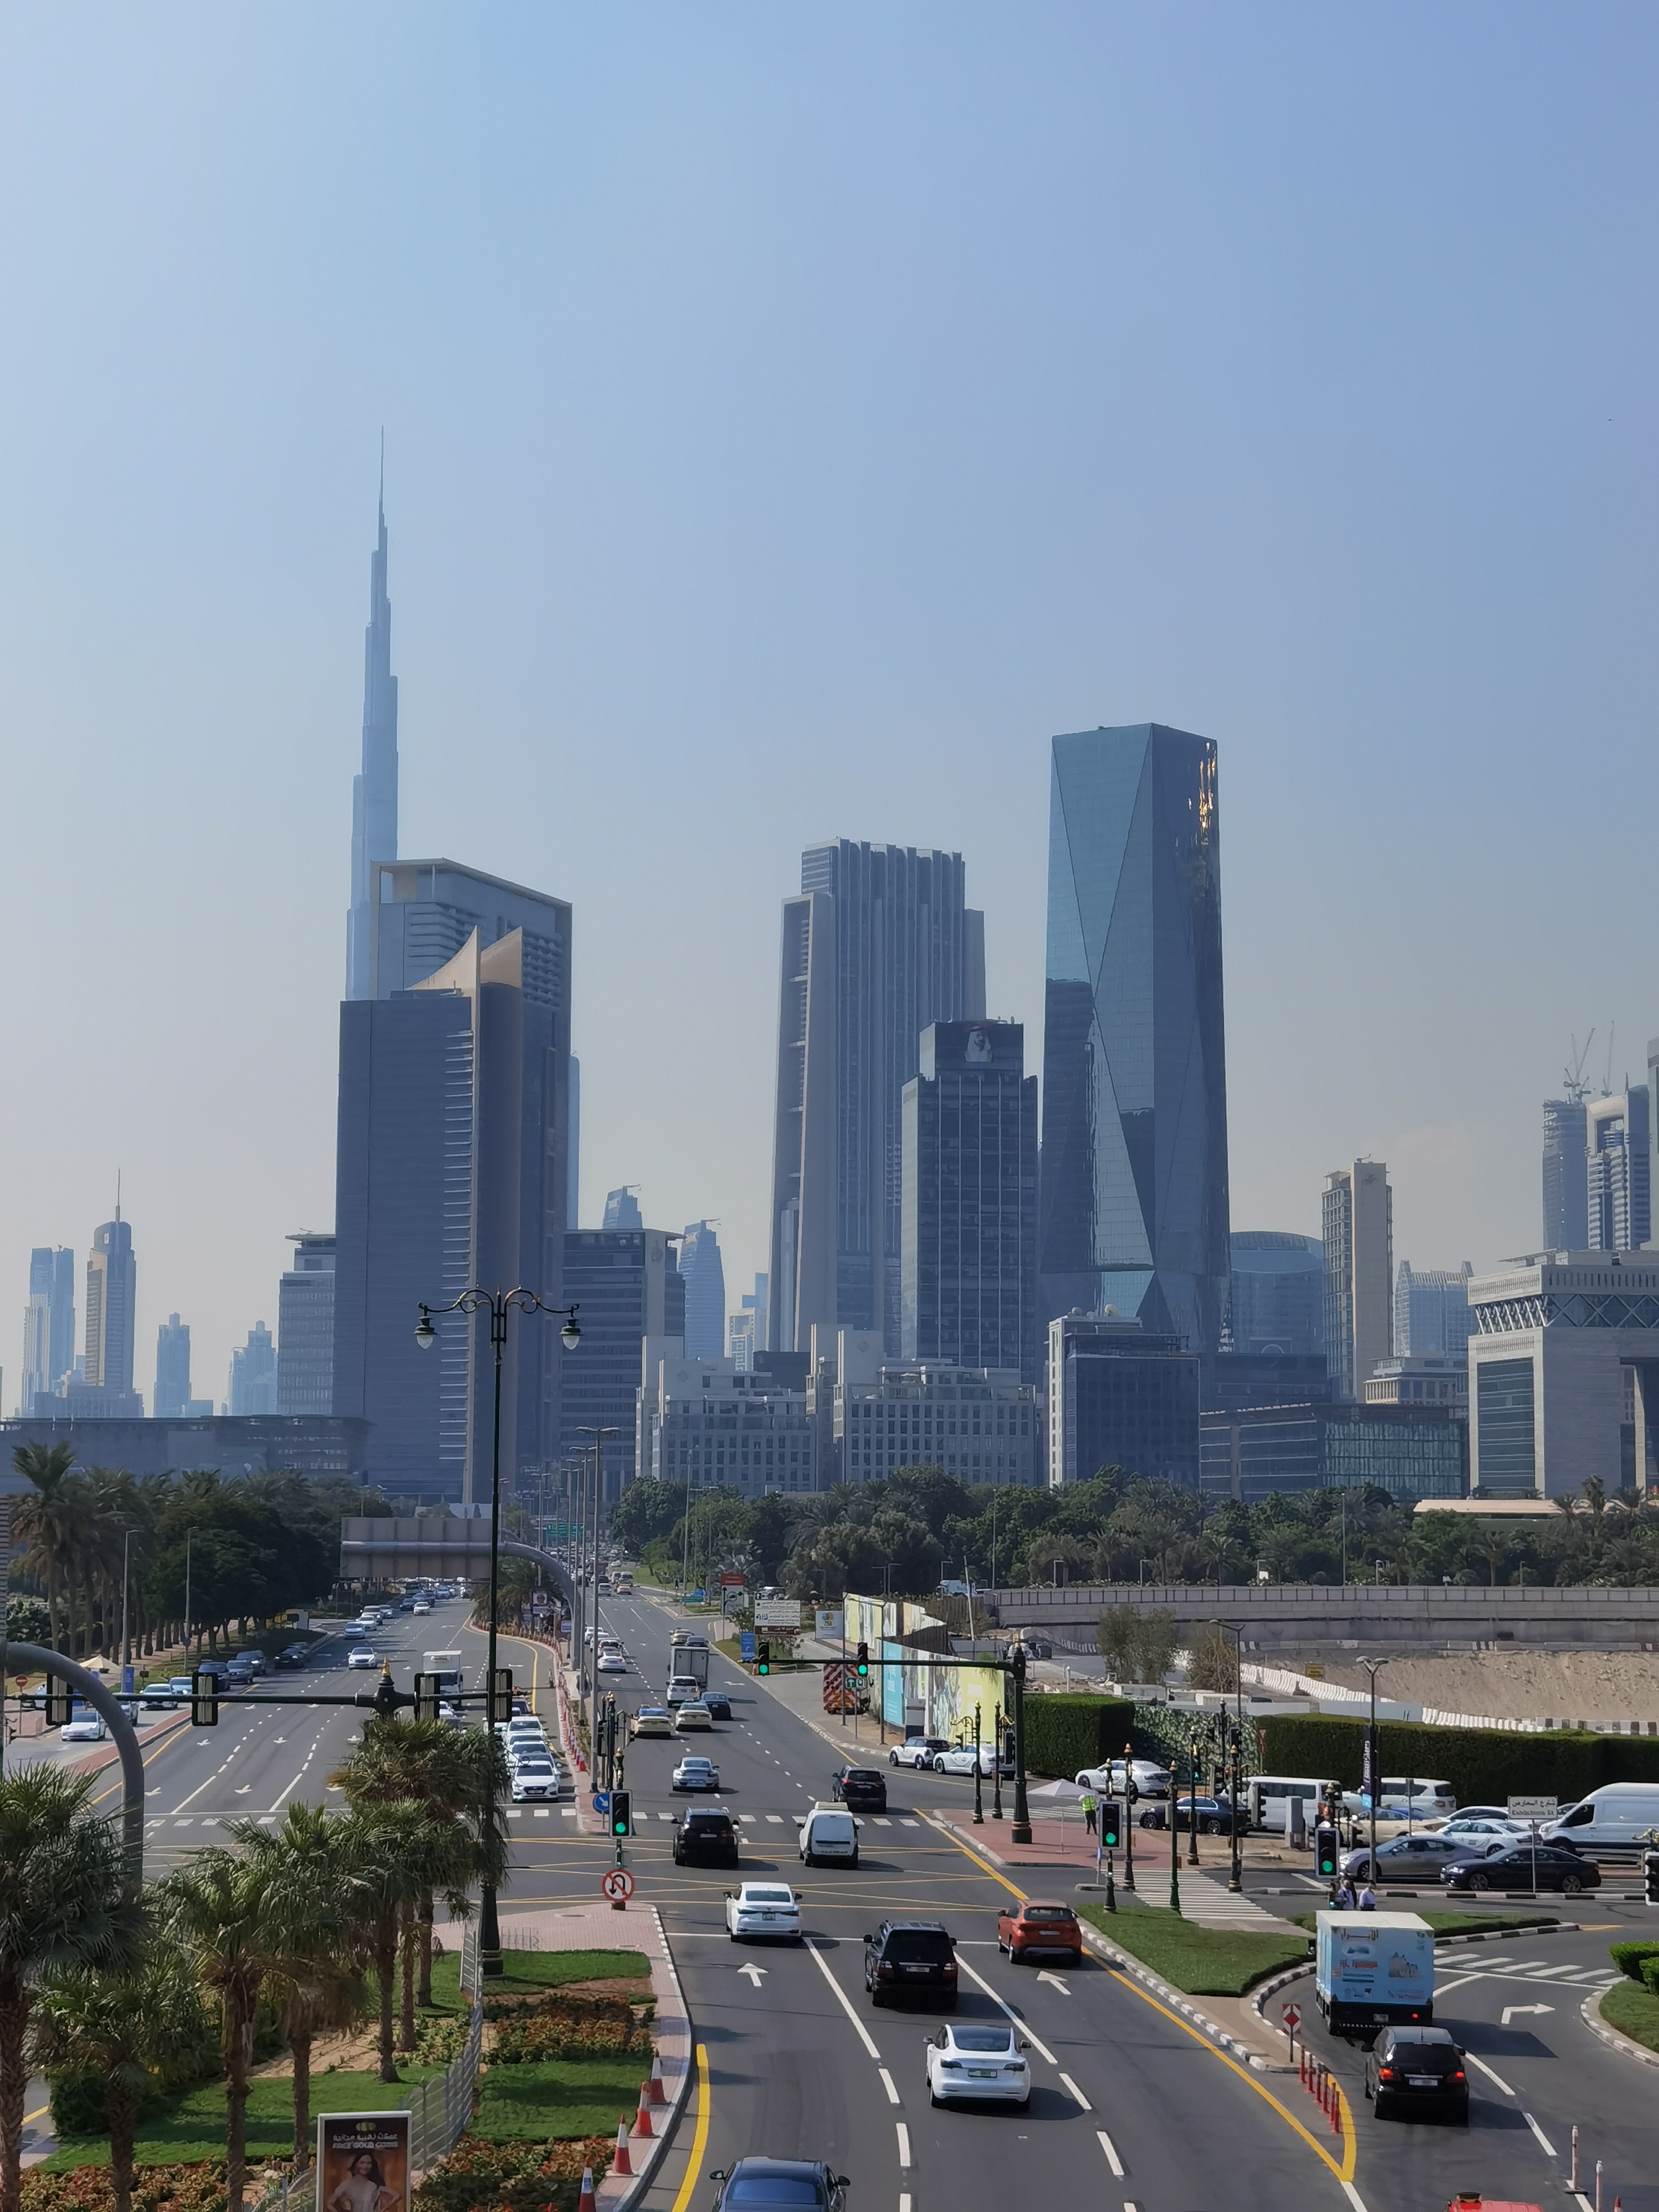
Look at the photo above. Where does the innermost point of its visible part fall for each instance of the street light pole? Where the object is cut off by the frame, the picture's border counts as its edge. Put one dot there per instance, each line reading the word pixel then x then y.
pixel 591 1672
pixel 497 1304
pixel 1236 1880
pixel 1373 1668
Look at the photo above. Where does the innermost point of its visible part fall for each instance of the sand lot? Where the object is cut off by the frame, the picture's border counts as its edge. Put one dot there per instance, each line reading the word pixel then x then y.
pixel 1521 1685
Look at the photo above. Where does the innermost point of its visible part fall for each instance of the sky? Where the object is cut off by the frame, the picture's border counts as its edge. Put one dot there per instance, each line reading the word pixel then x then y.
pixel 794 418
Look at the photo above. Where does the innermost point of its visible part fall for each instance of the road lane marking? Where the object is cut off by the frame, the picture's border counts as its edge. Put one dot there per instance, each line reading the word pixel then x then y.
pixel 1013 2015
pixel 774 1820
pixel 887 2084
pixel 1547 2146
pixel 903 2144
pixel 1354 2197
pixel 1513 2012
pixel 1077 2092
pixel 1112 2158
pixel 815 1953
pixel 1471 2058
pixel 700 2139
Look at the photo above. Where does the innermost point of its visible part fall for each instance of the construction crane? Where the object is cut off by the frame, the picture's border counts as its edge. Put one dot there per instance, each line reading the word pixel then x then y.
pixel 1573 1079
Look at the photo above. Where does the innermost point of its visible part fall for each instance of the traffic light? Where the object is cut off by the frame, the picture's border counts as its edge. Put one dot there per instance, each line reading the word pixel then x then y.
pixel 621 1813
pixel 1325 1851
pixel 426 1697
pixel 204 1700
pixel 60 1702
pixel 1111 1824
pixel 1651 1874
pixel 863 1661
pixel 501 1695
pixel 763 1657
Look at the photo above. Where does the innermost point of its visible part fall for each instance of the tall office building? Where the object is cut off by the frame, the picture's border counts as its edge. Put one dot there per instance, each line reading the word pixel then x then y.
pixel 1567 1208
pixel 1120 1397
pixel 626 1289
pixel 305 1325
pixel 424 911
pixel 621 1210
pixel 48 1323
pixel 374 787
pixel 969 1192
pixel 1134 1202
pixel 574 1176
pixel 1431 1316
pixel 1618 1172
pixel 172 1400
pixel 451 1172
pixel 879 943
pixel 1276 1301
pixel 112 1289
pixel 704 1277
pixel 254 1373
pixel 746 1330
pixel 1358 1274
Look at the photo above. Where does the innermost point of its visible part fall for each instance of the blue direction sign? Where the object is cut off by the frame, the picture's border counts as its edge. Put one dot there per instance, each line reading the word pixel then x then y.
pixel 746 1645
pixel 601 1801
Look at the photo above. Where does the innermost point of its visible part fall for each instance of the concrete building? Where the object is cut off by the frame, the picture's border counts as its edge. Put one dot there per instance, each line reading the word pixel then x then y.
pixel 249 1445
pixel 1358 1208
pixel 1135 1204
pixel 1276 1300
pixel 1414 1451
pixel 626 1288
pixel 621 1210
pixel 704 1277
pixel 1566 1208
pixel 746 1328
pixel 452 1172
pixel 1230 1380
pixel 48 1323
pixel 1432 1312
pixel 305 1325
pixel 1419 1379
pixel 424 912
pixel 969 1201
pixel 1564 1374
pixel 1618 1172
pixel 172 1401
pixel 711 1424
pixel 980 1425
pixel 112 1295
pixel 879 943
pixel 1121 1395
pixel 252 1388
pixel 573 1217
pixel 374 787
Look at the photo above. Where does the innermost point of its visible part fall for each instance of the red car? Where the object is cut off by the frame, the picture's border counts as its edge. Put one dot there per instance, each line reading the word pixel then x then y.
pixel 1037 1928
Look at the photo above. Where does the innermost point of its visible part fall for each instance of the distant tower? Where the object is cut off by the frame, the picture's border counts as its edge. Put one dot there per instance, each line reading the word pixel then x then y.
pixel 704 1275
pixel 172 1400
pixel 1566 1196
pixel 111 1286
pixel 254 1373
pixel 1359 1209
pixel 374 788
pixel 1617 1171
pixel 621 1209
pixel 305 1325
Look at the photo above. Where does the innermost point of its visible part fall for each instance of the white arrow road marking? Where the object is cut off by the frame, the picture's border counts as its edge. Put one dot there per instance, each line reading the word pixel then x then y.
pixel 1510 2012
pixel 1112 2158
pixel 753 1971
pixel 1045 1976
pixel 244 1788
pixel 1549 2147
pixel 1024 2025
pixel 1487 2072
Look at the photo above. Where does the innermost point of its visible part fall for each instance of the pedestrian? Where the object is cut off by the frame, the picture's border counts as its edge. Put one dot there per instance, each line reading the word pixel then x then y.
pixel 1345 1895
pixel 1367 1898
pixel 1089 1804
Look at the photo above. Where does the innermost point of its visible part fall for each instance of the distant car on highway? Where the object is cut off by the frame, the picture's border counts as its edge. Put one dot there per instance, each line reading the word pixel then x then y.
pixel 763 1908
pixel 864 1786
pixel 1215 1816
pixel 159 1698
pixel 361 1658
pixel 1110 1780
pixel 779 2185
pixel 1405 1796
pixel 534 1777
pixel 421 1605
pixel 977 2062
pixel 1411 2071
pixel 86 1728
pixel 705 1832
pixel 920 1751
pixel 293 1655
pixel 612 1663
pixel 1416 1860
pixel 694 1714
pixel 911 1958
pixel 693 1772
pixel 718 1704
pixel 653 1720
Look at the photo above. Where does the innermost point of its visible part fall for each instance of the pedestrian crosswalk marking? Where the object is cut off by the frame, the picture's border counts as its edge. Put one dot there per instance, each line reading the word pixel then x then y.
pixel 909 1824
pixel 542 1813
pixel 775 1818
pixel 880 1822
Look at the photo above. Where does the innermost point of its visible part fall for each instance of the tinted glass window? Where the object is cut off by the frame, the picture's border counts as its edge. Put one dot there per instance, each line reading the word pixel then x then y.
pixel 861 1774
pixel 779 2188
pixel 982 2039
pixel 1425 2057
pixel 919 1944
pixel 1046 1915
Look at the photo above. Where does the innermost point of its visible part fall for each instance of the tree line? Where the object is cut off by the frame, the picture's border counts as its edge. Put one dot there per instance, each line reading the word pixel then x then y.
pixel 305 1928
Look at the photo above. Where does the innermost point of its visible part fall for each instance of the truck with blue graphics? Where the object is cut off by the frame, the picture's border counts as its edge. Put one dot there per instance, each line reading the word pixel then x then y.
pixel 1374 1970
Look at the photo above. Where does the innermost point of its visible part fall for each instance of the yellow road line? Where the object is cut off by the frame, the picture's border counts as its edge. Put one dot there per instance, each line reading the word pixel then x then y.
pixel 38 2113
pixel 177 1736
pixel 984 1865
pixel 700 2139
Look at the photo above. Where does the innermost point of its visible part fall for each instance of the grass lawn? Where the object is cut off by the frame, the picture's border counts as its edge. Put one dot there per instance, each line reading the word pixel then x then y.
pixel 1214 1962
pixel 555 2099
pixel 1634 2011
pixel 195 2128
pixel 526 1971
pixel 1460 1923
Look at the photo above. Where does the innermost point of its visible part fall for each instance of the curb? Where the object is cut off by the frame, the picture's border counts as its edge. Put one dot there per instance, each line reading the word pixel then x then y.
pixel 1177 2002
pixel 650 2155
pixel 1260 1994
pixel 1589 2013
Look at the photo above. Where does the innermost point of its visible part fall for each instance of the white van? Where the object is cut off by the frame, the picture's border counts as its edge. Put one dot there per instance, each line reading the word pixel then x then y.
pixel 1614 1817
pixel 1270 1796
pixel 829 1835
pixel 1407 1797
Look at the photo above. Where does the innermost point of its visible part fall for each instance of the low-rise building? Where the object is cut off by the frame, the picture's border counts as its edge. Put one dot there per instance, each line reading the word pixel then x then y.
pixel 1420 1381
pixel 979 1424
pixel 1413 1451
pixel 713 1424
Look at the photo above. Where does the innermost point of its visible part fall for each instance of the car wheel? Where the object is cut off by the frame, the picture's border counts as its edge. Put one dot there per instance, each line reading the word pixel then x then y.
pixel 854 1860
pixel 939 1766
pixel 1077 1959
pixel 1479 1881
pixel 878 1997
pixel 892 1758
pixel 1209 1828
pixel 1572 1885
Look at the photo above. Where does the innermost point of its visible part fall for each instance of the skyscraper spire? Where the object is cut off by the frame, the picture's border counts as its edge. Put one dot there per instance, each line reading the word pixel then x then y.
pixel 374 788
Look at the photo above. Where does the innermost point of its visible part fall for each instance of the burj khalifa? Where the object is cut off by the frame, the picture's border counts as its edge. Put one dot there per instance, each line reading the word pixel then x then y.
pixel 374 787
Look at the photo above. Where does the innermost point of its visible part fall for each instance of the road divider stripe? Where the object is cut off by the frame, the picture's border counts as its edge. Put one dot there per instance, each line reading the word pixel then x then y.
pixel 1473 2061
pixel 815 1953
pixel 700 2138
pixel 1547 2146
pixel 1112 2158
pixel 1353 2196
pixel 1077 2092
pixel 1013 2015
pixel 887 2084
pixel 903 2145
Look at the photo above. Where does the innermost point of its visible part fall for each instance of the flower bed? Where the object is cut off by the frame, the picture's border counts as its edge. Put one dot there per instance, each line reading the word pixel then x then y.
pixel 154 2189
pixel 570 2028
pixel 507 2177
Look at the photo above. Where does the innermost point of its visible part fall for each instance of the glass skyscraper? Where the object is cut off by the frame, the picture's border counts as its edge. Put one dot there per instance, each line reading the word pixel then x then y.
pixel 1133 1206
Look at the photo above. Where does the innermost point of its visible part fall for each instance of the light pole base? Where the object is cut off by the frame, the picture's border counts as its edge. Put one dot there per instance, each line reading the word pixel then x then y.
pixel 1020 1832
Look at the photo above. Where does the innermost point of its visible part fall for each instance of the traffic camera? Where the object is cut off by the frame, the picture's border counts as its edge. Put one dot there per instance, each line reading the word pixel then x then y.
pixel 1325 1851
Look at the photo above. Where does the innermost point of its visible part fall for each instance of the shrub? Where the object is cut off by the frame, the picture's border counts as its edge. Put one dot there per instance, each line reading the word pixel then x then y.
pixel 1631 1957
pixel 571 2028
pixel 1483 1765
pixel 1067 1731
pixel 1651 1975
pixel 509 2177
pixel 154 2189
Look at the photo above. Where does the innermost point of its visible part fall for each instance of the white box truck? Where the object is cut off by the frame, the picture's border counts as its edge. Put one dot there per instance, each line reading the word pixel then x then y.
pixel 1374 1970
pixel 688 1658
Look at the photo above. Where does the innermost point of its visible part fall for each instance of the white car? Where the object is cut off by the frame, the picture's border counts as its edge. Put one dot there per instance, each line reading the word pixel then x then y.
pixel 696 1773
pixel 958 1758
pixel 534 1777
pixel 682 1689
pixel 422 1606
pixel 918 1751
pixel 1466 1829
pixel 694 1714
pixel 530 1747
pixel 612 1663
pixel 977 2060
pixel 450 1714
pixel 1404 1796
pixel 763 1908
pixel 363 1658
pixel 1151 1780
pixel 86 1728
pixel 653 1720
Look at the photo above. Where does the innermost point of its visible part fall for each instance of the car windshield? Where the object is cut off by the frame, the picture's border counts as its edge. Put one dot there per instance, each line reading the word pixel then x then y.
pixel 783 2190
pixel 768 1897
pixel 1045 1913
pixel 1424 2057
pixel 919 1944
pixel 981 2038
pixel 861 1774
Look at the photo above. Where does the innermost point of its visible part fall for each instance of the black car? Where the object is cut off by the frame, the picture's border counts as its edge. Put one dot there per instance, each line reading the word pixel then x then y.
pixel 718 1703
pixel 1512 1865
pixel 293 1655
pixel 1412 2073
pixel 705 1834
pixel 862 1788
pixel 1215 1816
pixel 911 1958
pixel 779 2185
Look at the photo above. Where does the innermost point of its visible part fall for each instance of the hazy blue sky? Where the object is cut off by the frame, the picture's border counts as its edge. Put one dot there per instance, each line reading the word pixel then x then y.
pixel 793 416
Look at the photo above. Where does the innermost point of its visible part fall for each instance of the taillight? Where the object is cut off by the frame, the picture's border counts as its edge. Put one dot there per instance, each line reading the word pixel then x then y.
pixel 1385 2074
pixel 951 1972
pixel 1460 2076
pixel 885 1969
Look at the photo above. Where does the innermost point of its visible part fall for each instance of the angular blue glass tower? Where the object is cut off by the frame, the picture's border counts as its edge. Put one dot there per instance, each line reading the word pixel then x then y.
pixel 1134 1200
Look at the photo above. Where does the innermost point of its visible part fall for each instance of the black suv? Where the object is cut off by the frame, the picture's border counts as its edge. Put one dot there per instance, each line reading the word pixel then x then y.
pixel 705 1832
pixel 1413 2070
pixel 863 1788
pixel 911 1958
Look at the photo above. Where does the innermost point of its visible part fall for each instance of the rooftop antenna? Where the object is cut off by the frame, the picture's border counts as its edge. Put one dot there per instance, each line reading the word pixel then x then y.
pixel 1573 1078
pixel 118 1193
pixel 1607 1086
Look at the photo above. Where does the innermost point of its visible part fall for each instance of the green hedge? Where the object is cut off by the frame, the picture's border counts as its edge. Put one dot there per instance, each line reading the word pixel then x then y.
pixel 1067 1731
pixel 1483 1765
pixel 1631 1957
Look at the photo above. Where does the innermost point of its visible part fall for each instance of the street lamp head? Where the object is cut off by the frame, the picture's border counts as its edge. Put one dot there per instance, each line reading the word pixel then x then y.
pixel 425 1335
pixel 570 1336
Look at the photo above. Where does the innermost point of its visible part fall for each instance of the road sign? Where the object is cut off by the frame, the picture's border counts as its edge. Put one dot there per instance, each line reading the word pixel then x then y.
pixel 618 1883
pixel 746 1646
pixel 1533 1808
pixel 777 1612
pixel 1291 2016
pixel 601 1801
pixel 734 1582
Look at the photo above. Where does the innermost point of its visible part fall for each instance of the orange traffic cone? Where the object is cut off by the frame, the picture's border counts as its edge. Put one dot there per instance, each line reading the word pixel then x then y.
pixel 658 2094
pixel 642 2117
pixel 585 2200
pixel 619 2162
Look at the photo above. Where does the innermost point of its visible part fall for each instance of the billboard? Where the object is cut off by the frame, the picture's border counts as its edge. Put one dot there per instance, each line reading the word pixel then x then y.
pixel 362 2162
pixel 777 1612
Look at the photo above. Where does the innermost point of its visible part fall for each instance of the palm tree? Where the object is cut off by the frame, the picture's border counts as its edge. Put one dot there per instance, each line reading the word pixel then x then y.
pixel 301 1870
pixel 119 2027
pixel 47 1522
pixel 215 1910
pixel 64 1903
pixel 397 1855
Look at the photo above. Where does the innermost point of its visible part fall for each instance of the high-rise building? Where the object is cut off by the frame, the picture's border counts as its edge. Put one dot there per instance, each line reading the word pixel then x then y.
pixel 1276 1301
pixel 708 1424
pixel 746 1328
pixel 1618 1172
pixel 48 1323
pixel 1134 1200
pixel 254 1373
pixel 704 1277
pixel 1431 1318
pixel 424 911
pixel 967 1237
pixel 305 1325
pixel 1358 1274
pixel 171 1401
pixel 626 1289
pixel 621 1210
pixel 879 945
pixel 111 1289
pixel 1566 1210
pixel 1120 1397
pixel 452 1172
pixel 573 1179
pixel 980 1425
pixel 374 787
